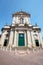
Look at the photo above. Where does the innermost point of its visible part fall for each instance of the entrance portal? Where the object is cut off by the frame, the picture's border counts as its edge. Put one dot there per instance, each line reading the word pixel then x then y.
pixel 21 41
pixel 37 42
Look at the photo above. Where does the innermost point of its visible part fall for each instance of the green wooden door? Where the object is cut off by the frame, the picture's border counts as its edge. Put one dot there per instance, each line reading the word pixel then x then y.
pixel 21 40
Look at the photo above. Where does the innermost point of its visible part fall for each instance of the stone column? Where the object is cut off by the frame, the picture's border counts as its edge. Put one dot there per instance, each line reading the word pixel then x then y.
pixel 3 38
pixel 40 40
pixel 25 39
pixel 15 39
pixel 29 39
pixel 33 40
pixel 11 38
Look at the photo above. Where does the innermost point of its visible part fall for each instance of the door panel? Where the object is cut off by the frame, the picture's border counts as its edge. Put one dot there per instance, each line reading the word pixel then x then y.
pixel 21 40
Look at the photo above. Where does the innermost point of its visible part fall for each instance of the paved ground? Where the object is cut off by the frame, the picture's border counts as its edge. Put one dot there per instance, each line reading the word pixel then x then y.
pixel 32 58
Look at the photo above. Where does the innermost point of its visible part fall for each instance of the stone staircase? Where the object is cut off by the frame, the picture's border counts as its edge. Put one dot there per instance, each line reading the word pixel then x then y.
pixel 24 49
pixel 21 48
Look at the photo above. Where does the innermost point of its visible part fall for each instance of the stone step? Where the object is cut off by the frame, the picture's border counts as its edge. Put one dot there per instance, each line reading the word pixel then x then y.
pixel 21 48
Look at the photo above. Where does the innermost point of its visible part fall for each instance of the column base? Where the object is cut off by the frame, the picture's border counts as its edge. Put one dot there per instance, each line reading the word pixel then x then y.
pixel 14 46
pixel 33 46
pixel 42 45
pixel 29 46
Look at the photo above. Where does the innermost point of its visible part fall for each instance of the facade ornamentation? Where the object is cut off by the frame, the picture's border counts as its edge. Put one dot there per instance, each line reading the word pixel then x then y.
pixel 21 34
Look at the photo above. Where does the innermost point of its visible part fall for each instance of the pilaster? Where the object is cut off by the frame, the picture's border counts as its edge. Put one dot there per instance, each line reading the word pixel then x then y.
pixel 3 38
pixel 11 38
pixel 29 39
pixel 25 39
pixel 33 40
pixel 15 39
pixel 40 40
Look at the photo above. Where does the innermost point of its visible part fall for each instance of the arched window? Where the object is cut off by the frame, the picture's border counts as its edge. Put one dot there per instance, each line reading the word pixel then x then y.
pixel 21 20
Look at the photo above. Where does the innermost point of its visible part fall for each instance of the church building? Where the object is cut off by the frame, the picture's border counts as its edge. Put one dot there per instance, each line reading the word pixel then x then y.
pixel 21 33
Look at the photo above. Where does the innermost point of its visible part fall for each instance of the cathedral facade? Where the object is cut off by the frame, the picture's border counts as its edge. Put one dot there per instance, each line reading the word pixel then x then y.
pixel 21 33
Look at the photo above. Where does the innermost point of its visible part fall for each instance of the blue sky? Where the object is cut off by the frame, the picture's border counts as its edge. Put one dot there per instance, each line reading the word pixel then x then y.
pixel 34 7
